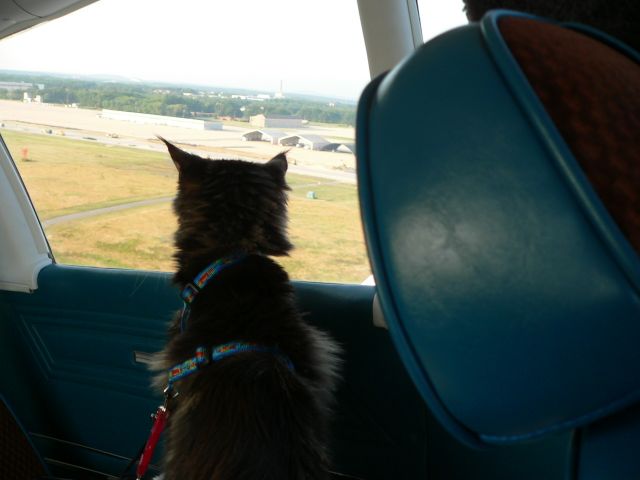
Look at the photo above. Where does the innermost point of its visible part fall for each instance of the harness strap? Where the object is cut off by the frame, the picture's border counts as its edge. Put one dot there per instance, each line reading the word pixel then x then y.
pixel 191 290
pixel 220 352
pixel 202 356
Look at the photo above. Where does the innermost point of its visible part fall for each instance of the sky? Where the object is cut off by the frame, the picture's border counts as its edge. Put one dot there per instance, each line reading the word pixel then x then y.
pixel 311 47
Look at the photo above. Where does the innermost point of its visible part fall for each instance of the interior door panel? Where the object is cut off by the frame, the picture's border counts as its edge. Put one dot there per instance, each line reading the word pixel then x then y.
pixel 79 390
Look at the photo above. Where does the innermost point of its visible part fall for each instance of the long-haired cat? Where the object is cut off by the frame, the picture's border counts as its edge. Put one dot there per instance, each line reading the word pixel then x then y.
pixel 260 413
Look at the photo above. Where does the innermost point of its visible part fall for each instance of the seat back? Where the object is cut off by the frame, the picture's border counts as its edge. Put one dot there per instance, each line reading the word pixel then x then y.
pixel 498 171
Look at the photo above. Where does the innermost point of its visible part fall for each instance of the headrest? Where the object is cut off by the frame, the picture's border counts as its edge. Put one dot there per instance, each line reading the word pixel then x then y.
pixel 511 291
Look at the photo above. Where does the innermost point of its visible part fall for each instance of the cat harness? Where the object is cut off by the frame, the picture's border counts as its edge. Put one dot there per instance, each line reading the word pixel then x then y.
pixel 202 357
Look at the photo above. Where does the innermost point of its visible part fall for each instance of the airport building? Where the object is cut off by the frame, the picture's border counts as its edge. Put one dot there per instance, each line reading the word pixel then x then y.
pixel 26 98
pixel 20 86
pixel 149 119
pixel 340 147
pixel 310 142
pixel 264 135
pixel 275 121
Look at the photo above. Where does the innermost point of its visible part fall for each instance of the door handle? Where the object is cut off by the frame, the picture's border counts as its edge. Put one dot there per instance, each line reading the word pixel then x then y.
pixel 142 357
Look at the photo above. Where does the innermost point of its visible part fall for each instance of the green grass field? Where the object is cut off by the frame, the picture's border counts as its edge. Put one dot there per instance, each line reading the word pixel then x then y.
pixel 68 176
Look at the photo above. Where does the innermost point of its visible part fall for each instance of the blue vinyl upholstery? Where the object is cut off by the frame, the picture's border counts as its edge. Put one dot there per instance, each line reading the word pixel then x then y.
pixel 76 386
pixel 510 293
pixel 609 448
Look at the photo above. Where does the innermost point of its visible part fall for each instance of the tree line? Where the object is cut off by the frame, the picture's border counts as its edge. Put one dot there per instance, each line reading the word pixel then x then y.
pixel 172 101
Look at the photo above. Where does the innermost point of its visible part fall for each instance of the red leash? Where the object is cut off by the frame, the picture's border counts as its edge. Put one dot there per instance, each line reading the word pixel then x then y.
pixel 156 430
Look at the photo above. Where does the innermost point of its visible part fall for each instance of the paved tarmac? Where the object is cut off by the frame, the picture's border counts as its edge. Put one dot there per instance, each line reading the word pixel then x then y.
pixel 88 125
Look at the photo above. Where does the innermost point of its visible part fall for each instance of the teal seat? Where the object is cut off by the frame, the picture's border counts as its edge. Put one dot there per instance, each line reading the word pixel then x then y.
pixel 499 176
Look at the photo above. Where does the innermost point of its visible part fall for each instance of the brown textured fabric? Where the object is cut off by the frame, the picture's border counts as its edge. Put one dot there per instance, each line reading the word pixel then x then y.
pixel 592 93
pixel 17 458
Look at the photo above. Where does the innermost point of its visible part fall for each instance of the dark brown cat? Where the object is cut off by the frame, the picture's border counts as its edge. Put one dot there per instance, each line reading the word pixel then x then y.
pixel 261 413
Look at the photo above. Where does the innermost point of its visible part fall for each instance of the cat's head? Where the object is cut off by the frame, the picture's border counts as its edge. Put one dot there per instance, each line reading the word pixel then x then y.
pixel 229 205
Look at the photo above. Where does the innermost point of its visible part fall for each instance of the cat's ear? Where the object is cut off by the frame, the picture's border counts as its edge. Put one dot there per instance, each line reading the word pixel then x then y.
pixel 279 164
pixel 180 158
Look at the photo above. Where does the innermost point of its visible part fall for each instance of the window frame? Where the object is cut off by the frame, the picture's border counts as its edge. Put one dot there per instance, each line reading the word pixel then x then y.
pixel 25 249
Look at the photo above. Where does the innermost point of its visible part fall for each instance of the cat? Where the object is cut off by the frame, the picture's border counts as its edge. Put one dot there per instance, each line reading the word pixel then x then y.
pixel 263 412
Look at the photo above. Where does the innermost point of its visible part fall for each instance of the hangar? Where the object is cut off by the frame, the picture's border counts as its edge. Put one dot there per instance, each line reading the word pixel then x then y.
pixel 275 121
pixel 310 142
pixel 340 147
pixel 264 135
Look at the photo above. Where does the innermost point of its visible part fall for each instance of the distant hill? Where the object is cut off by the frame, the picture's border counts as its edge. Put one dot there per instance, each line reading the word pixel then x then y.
pixel 187 101
pixel 110 78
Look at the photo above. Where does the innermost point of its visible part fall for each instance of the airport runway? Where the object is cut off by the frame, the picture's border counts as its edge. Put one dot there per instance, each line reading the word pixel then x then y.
pixel 87 125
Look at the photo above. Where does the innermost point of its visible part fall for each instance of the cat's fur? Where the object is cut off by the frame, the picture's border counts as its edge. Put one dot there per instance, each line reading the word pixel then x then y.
pixel 248 416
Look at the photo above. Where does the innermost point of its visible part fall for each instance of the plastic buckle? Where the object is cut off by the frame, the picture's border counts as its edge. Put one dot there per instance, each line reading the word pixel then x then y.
pixel 202 356
pixel 189 292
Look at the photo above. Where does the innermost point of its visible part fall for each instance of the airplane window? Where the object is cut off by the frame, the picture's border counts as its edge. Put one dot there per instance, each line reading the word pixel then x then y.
pixel 82 98
pixel 438 16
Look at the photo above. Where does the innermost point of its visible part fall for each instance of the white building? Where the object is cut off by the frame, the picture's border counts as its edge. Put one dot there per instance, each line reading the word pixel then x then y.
pixel 149 119
pixel 20 86
pixel 26 98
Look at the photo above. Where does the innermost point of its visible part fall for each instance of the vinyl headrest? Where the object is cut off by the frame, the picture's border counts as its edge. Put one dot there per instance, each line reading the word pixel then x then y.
pixel 510 289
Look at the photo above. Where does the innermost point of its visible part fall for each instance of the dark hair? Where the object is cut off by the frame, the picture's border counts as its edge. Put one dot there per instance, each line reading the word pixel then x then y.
pixel 618 18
